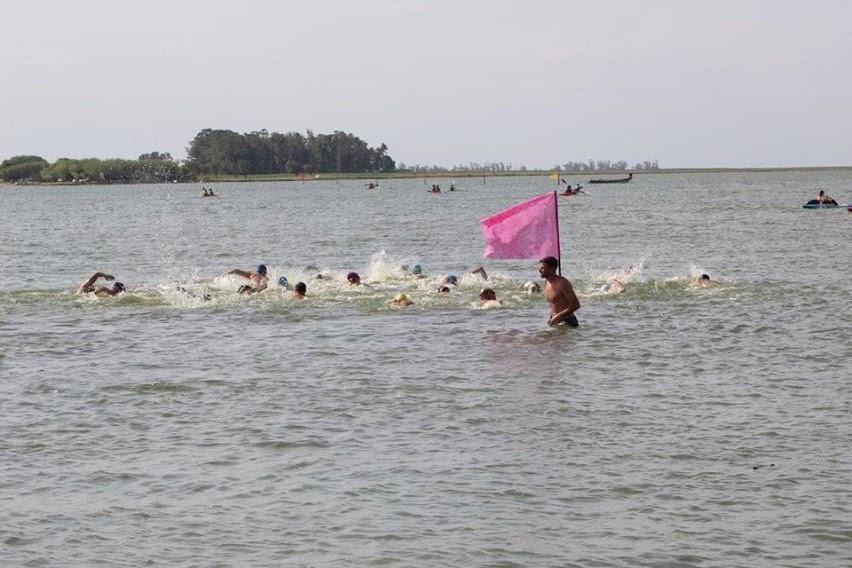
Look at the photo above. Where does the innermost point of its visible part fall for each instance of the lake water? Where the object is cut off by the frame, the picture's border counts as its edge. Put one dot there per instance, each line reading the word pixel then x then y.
pixel 678 426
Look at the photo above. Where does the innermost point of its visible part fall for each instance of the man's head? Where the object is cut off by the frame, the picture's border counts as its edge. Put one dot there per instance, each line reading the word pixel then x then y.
pixel 283 282
pixel 488 295
pixel 353 278
pixel 261 270
pixel 705 277
pixel 417 270
pixel 301 288
pixel 117 288
pixel 821 192
pixel 451 279
pixel 548 266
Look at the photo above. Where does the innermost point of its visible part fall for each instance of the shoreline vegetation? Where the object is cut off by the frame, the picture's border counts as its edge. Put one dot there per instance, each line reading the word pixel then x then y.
pixel 227 156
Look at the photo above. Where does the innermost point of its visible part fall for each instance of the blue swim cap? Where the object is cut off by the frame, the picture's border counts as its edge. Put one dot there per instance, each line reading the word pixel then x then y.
pixel 282 281
pixel 416 269
pixel 261 270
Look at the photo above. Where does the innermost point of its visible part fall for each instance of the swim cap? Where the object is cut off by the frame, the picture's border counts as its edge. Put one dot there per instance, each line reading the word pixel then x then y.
pixel 400 298
pixel 282 281
pixel 451 279
pixel 353 277
pixel 416 269
pixel 118 286
pixel 261 270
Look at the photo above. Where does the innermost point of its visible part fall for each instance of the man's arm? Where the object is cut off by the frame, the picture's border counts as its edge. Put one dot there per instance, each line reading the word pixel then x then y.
pixel 242 273
pixel 89 285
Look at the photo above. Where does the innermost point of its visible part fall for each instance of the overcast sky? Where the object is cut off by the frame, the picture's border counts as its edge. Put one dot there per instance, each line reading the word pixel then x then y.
pixel 713 83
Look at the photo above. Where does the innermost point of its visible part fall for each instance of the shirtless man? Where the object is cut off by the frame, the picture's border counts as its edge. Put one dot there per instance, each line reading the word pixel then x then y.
pixel 89 286
pixel 560 294
pixel 258 279
pixel 824 199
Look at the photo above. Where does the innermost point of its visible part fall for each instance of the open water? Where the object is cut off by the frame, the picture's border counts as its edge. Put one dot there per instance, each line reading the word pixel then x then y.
pixel 678 426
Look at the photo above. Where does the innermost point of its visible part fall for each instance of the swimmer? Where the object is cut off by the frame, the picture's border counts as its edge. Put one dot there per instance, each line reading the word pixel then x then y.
pixel 283 282
pixel 88 287
pixel 258 279
pixel 612 286
pixel 205 194
pixel 443 289
pixel 211 194
pixel 559 293
pixel 401 300
pixel 299 290
pixel 481 273
pixel 450 279
pixel 353 278
pixel 191 294
pixel 703 282
pixel 488 297
pixel 417 271
pixel 532 287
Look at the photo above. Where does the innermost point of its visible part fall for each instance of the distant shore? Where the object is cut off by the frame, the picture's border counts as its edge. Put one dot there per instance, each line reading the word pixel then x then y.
pixel 407 174
pixel 462 174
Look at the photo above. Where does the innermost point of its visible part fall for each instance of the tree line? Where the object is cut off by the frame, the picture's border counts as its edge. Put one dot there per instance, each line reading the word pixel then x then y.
pixel 214 152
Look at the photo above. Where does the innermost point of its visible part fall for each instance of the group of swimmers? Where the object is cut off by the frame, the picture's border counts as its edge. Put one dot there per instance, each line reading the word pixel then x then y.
pixel 437 188
pixel 558 290
pixel 208 192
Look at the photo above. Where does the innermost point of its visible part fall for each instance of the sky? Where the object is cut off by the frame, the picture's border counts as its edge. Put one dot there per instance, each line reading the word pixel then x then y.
pixel 692 84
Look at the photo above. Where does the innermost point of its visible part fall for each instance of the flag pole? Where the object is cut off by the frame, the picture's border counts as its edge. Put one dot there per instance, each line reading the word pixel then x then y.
pixel 558 246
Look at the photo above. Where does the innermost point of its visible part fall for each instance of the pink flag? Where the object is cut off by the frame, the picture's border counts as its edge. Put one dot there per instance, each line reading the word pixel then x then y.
pixel 527 230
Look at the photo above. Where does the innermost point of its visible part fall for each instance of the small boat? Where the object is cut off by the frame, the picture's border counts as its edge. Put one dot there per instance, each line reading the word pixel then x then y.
pixel 620 180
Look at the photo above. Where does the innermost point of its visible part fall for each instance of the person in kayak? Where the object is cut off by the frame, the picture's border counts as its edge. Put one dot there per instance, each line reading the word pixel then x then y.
pixel 824 199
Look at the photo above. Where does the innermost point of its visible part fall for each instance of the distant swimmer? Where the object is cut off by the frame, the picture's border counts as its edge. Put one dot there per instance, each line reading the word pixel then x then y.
pixel 205 194
pixel 283 282
pixel 480 272
pixel 196 295
pixel 299 290
pixel 353 278
pixel 560 294
pixel 417 271
pixel 401 300
pixel 88 287
pixel 532 287
pixel 450 279
pixel 703 282
pixel 612 286
pixel 452 187
pixel 824 199
pixel 258 279
pixel 488 298
pixel 443 289
pixel 211 194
